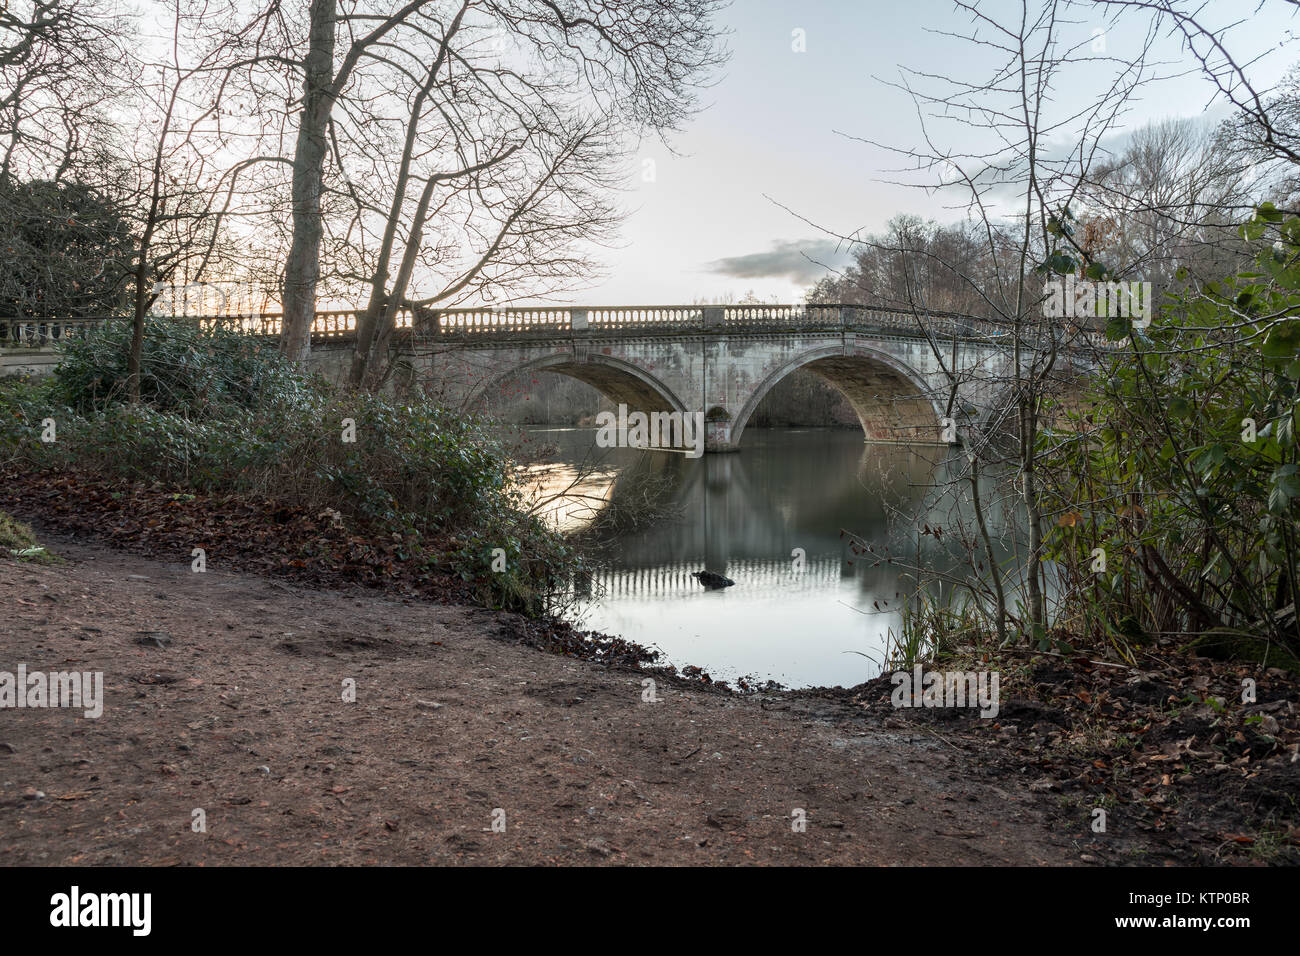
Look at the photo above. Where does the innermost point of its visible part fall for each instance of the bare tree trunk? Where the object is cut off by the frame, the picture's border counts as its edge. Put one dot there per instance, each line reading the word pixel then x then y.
pixel 137 328
pixel 981 522
pixel 1033 512
pixel 142 264
pixel 302 268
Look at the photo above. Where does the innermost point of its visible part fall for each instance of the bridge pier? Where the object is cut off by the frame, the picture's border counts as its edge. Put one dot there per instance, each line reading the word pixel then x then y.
pixel 717 432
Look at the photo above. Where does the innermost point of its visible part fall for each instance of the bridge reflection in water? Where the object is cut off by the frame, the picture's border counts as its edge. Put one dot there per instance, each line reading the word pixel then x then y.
pixel 743 516
pixel 675 580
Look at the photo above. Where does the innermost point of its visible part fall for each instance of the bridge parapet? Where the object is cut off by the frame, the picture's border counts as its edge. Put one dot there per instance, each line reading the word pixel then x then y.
pixel 637 320
pixel 37 334
pixel 465 324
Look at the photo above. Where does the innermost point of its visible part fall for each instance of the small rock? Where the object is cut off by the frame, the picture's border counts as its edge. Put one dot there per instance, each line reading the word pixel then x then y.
pixel 158 639
pixel 264 769
pixel 463 844
pixel 1043 784
pixel 427 705
pixel 1270 726
pixel 8 749
pixel 33 794
pixel 725 818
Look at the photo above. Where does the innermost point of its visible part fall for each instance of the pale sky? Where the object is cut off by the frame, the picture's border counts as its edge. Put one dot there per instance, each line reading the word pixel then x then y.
pixel 702 228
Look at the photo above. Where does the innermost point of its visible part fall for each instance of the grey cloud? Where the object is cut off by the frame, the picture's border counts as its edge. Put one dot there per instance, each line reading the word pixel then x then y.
pixel 796 259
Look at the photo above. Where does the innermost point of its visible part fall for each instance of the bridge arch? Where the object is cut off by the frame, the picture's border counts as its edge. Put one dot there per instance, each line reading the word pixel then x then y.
pixel 890 398
pixel 619 381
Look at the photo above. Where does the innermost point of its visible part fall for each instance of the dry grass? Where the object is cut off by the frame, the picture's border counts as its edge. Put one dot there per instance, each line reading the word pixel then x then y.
pixel 17 541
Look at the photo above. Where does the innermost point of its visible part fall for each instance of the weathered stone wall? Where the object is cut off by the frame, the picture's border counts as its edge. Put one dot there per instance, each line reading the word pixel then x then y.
pixel 332 359
pixel 32 363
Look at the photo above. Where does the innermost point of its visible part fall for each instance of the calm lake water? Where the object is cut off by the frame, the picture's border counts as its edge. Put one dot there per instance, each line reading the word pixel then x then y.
pixel 743 515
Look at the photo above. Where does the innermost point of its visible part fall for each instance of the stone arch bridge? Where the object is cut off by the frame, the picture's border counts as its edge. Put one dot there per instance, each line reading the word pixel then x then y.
pixel 715 361
pixel 718 361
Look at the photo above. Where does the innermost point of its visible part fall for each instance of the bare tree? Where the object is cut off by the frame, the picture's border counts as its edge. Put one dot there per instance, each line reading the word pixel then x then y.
pixel 1170 204
pixel 61 68
pixel 1019 187
pixel 498 123
pixel 1270 123
pixel 174 179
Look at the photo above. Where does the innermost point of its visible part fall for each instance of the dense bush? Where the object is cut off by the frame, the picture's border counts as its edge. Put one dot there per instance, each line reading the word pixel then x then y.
pixel 196 371
pixel 67 251
pixel 223 415
pixel 1186 471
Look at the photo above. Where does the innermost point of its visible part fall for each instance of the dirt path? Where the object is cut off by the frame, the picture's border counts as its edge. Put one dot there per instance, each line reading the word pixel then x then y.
pixel 223 693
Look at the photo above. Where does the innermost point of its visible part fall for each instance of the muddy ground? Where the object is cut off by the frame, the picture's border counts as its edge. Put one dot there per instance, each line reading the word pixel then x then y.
pixel 224 693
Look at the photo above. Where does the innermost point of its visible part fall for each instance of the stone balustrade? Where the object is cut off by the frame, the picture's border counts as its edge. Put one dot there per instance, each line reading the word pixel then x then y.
pixel 477 324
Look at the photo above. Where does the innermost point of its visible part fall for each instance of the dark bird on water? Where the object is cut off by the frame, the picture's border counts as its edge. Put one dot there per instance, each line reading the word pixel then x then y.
pixel 712 581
